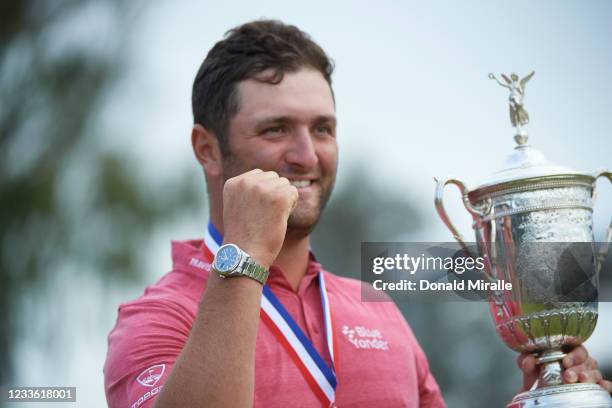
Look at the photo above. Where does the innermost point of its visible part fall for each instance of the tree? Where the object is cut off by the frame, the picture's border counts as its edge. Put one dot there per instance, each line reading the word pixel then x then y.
pixel 65 196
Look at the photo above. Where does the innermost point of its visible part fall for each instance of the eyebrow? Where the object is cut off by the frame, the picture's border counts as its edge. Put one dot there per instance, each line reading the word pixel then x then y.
pixel 325 118
pixel 289 119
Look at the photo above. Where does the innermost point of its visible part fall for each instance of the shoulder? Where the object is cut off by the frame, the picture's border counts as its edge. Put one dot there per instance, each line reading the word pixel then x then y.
pixel 355 289
pixel 154 327
pixel 176 294
pixel 146 329
pixel 168 305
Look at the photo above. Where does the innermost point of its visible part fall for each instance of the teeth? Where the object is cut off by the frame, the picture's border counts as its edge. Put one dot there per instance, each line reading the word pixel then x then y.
pixel 300 183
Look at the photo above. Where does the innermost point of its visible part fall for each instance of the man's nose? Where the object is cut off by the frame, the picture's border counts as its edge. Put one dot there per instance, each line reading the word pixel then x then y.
pixel 302 151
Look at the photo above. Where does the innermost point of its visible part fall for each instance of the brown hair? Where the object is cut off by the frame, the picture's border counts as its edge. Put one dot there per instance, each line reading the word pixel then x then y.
pixel 244 53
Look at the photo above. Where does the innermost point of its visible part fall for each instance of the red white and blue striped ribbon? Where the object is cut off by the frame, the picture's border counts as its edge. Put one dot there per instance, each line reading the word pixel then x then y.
pixel 318 375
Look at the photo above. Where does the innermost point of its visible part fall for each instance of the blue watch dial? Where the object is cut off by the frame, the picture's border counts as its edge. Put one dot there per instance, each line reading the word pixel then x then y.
pixel 227 258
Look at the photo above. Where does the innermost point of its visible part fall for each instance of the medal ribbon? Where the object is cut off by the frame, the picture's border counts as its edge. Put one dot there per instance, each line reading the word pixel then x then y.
pixel 318 375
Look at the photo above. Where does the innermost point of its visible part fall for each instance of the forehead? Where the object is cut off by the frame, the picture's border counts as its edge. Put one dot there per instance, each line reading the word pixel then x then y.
pixel 301 94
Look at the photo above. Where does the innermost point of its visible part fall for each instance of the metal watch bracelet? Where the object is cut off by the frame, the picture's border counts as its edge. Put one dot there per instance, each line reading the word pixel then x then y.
pixel 254 271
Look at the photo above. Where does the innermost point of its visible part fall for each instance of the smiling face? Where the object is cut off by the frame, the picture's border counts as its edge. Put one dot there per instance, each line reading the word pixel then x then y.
pixel 289 128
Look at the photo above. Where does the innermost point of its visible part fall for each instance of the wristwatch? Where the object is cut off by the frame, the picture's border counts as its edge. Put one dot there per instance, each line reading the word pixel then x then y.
pixel 231 261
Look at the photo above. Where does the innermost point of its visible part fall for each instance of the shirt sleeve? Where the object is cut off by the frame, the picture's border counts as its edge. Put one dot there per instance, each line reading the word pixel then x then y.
pixel 142 348
pixel 430 395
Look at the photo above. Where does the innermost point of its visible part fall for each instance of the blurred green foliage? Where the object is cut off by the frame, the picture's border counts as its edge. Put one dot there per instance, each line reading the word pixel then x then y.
pixel 66 197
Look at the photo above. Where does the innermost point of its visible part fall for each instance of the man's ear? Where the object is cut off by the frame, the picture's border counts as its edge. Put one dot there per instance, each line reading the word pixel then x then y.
pixel 207 150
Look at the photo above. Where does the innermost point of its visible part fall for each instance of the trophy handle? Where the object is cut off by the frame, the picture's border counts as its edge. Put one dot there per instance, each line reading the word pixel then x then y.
pixel 474 211
pixel 603 251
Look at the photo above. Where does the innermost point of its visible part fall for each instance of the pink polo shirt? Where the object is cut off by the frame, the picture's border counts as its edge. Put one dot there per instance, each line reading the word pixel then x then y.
pixel 379 362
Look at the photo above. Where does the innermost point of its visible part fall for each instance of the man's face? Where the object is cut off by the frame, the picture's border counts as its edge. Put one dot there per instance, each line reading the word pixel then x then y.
pixel 289 128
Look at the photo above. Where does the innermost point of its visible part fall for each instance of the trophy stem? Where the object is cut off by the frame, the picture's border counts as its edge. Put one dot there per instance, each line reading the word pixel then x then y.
pixel 550 392
pixel 551 370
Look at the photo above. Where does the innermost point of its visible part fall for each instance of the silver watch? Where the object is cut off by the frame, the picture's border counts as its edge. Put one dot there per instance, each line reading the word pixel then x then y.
pixel 231 261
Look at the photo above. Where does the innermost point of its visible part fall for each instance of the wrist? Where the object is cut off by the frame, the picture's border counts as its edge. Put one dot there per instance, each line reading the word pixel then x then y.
pixel 262 257
pixel 232 261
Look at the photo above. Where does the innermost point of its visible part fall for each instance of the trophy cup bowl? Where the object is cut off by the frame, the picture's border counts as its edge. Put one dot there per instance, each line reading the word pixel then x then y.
pixel 522 230
pixel 527 219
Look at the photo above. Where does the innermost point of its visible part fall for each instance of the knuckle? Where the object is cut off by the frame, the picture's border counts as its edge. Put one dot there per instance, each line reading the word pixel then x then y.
pixel 276 195
pixel 259 188
pixel 243 184
pixel 229 187
pixel 581 368
pixel 286 195
pixel 524 363
pixel 585 376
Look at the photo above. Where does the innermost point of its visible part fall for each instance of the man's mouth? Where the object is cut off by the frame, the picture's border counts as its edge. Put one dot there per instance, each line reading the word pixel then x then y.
pixel 300 183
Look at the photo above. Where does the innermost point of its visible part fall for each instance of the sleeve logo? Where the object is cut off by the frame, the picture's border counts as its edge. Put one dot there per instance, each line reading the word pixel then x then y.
pixel 151 375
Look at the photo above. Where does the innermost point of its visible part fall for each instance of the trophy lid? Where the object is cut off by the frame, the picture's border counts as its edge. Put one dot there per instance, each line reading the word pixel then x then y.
pixel 526 162
pixel 526 168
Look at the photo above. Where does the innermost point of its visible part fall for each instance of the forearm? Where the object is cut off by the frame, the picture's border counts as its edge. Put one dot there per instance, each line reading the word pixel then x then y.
pixel 217 364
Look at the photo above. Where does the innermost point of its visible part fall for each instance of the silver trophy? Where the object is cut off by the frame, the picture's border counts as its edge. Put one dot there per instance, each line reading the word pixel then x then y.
pixel 525 217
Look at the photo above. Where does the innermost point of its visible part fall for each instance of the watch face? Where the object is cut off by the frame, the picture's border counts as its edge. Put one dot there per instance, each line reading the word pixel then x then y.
pixel 227 258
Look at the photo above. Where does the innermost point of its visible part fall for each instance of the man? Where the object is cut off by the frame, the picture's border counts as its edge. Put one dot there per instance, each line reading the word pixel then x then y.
pixel 265 136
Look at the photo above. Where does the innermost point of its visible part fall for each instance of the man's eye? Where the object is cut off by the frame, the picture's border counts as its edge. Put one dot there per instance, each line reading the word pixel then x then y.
pixel 275 130
pixel 324 130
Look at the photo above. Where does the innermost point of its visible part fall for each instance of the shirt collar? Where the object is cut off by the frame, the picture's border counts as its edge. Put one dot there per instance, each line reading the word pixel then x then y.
pixel 277 278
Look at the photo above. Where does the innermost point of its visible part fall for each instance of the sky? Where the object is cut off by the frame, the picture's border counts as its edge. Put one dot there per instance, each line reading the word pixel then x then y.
pixel 413 98
pixel 413 103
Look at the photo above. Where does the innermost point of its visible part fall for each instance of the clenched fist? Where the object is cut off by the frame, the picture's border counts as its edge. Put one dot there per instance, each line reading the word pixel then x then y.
pixel 256 207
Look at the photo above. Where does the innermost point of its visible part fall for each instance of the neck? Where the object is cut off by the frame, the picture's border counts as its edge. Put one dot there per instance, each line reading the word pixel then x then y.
pixel 293 259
